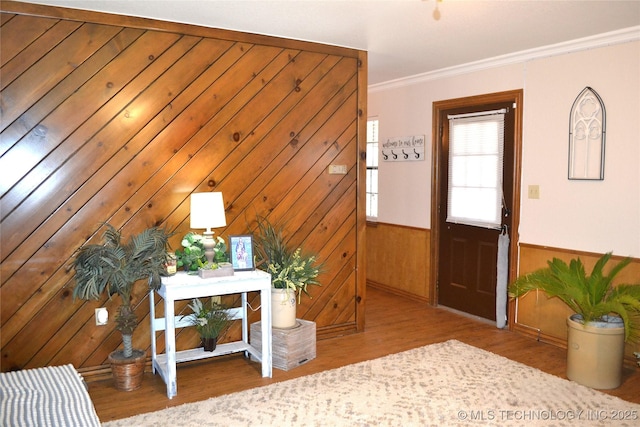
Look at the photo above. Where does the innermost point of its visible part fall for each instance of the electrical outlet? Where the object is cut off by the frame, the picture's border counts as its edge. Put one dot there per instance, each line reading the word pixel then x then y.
pixel 102 316
pixel 534 191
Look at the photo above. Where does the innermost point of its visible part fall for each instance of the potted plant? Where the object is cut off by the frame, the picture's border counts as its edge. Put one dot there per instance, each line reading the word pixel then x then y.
pixel 192 253
pixel 604 315
pixel 292 272
pixel 220 254
pixel 193 260
pixel 220 266
pixel 210 320
pixel 114 267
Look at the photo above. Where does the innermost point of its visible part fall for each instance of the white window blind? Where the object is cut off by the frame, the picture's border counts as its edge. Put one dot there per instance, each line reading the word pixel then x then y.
pixel 372 169
pixel 476 147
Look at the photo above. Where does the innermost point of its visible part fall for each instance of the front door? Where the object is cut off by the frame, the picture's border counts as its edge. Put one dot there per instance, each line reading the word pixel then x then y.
pixel 467 239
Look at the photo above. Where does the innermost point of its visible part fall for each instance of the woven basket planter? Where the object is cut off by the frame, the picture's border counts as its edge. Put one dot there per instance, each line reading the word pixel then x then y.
pixel 127 372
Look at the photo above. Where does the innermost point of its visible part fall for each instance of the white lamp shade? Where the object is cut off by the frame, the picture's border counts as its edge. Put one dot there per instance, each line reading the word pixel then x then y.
pixel 207 210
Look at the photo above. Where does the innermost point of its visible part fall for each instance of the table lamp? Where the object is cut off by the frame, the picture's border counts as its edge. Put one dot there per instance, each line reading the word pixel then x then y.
pixel 207 211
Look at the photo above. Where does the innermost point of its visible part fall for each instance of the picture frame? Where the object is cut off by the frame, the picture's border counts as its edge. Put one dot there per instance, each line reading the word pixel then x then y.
pixel 241 252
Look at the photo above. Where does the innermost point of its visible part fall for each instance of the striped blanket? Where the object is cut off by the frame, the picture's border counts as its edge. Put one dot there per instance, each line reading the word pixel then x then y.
pixel 53 396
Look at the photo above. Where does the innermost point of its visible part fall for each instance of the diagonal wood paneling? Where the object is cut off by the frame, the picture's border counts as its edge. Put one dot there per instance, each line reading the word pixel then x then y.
pixel 120 119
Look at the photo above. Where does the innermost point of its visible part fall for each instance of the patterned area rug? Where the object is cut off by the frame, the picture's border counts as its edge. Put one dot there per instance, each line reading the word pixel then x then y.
pixel 445 384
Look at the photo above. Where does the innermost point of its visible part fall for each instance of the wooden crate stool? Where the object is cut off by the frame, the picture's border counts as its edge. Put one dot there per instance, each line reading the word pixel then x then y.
pixel 291 347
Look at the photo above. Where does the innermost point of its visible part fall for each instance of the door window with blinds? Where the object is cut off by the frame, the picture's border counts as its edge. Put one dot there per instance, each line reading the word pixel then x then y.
pixel 476 147
pixel 372 169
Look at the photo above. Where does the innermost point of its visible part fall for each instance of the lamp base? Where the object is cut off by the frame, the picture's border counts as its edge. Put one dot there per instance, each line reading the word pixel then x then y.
pixel 208 244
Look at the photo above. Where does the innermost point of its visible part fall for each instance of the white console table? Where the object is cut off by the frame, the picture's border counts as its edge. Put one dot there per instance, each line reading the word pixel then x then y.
pixel 182 286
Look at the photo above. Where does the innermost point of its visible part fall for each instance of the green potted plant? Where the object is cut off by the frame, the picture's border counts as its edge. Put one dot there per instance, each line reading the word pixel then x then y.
pixel 292 272
pixel 192 259
pixel 604 315
pixel 210 320
pixel 220 266
pixel 220 254
pixel 114 267
pixel 191 256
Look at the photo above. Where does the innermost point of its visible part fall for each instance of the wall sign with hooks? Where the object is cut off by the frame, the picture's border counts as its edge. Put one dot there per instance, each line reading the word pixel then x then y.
pixel 403 149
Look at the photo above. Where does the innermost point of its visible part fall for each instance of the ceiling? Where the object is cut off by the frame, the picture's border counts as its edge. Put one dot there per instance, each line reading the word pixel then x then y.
pixel 402 37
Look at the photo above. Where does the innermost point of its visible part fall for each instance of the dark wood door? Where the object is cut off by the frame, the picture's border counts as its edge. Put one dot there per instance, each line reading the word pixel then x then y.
pixel 467 267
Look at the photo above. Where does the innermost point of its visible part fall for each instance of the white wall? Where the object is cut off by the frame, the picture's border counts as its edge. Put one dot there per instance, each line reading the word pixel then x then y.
pixel 595 216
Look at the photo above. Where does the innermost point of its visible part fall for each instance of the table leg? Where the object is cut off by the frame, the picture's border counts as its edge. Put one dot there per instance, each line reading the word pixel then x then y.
pixel 245 323
pixel 265 324
pixel 152 316
pixel 170 347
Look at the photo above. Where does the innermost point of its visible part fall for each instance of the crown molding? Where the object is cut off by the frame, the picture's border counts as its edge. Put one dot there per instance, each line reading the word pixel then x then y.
pixel 625 35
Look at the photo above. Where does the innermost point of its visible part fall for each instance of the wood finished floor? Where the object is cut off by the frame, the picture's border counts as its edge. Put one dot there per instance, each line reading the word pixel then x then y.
pixel 393 324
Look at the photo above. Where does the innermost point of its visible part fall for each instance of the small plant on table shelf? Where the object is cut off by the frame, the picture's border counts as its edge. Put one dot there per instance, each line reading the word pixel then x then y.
pixel 211 320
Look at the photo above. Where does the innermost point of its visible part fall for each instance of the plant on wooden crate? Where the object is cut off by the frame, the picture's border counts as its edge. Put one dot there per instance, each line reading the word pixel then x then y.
pixel 292 272
pixel 114 267
pixel 290 269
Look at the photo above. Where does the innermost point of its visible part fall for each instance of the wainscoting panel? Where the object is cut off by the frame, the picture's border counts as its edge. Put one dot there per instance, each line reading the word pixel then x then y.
pixel 398 260
pixel 117 119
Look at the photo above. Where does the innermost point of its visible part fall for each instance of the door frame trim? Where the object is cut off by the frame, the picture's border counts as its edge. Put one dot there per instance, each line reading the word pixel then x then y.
pixel 515 96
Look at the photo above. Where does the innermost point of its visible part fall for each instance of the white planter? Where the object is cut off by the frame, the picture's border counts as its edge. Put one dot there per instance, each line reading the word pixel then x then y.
pixel 283 308
pixel 595 352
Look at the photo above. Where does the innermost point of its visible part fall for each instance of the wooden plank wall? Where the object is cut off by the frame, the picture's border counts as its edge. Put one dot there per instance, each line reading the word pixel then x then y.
pixel 120 119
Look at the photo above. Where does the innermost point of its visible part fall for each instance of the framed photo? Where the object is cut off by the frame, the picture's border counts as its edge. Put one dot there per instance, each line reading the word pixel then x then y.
pixel 241 250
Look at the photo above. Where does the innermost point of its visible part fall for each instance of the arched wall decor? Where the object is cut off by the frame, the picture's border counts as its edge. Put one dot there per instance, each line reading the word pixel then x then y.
pixel 587 129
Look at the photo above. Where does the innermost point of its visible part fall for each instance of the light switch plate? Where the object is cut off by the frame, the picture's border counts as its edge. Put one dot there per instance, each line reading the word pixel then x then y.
pixel 534 191
pixel 337 169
